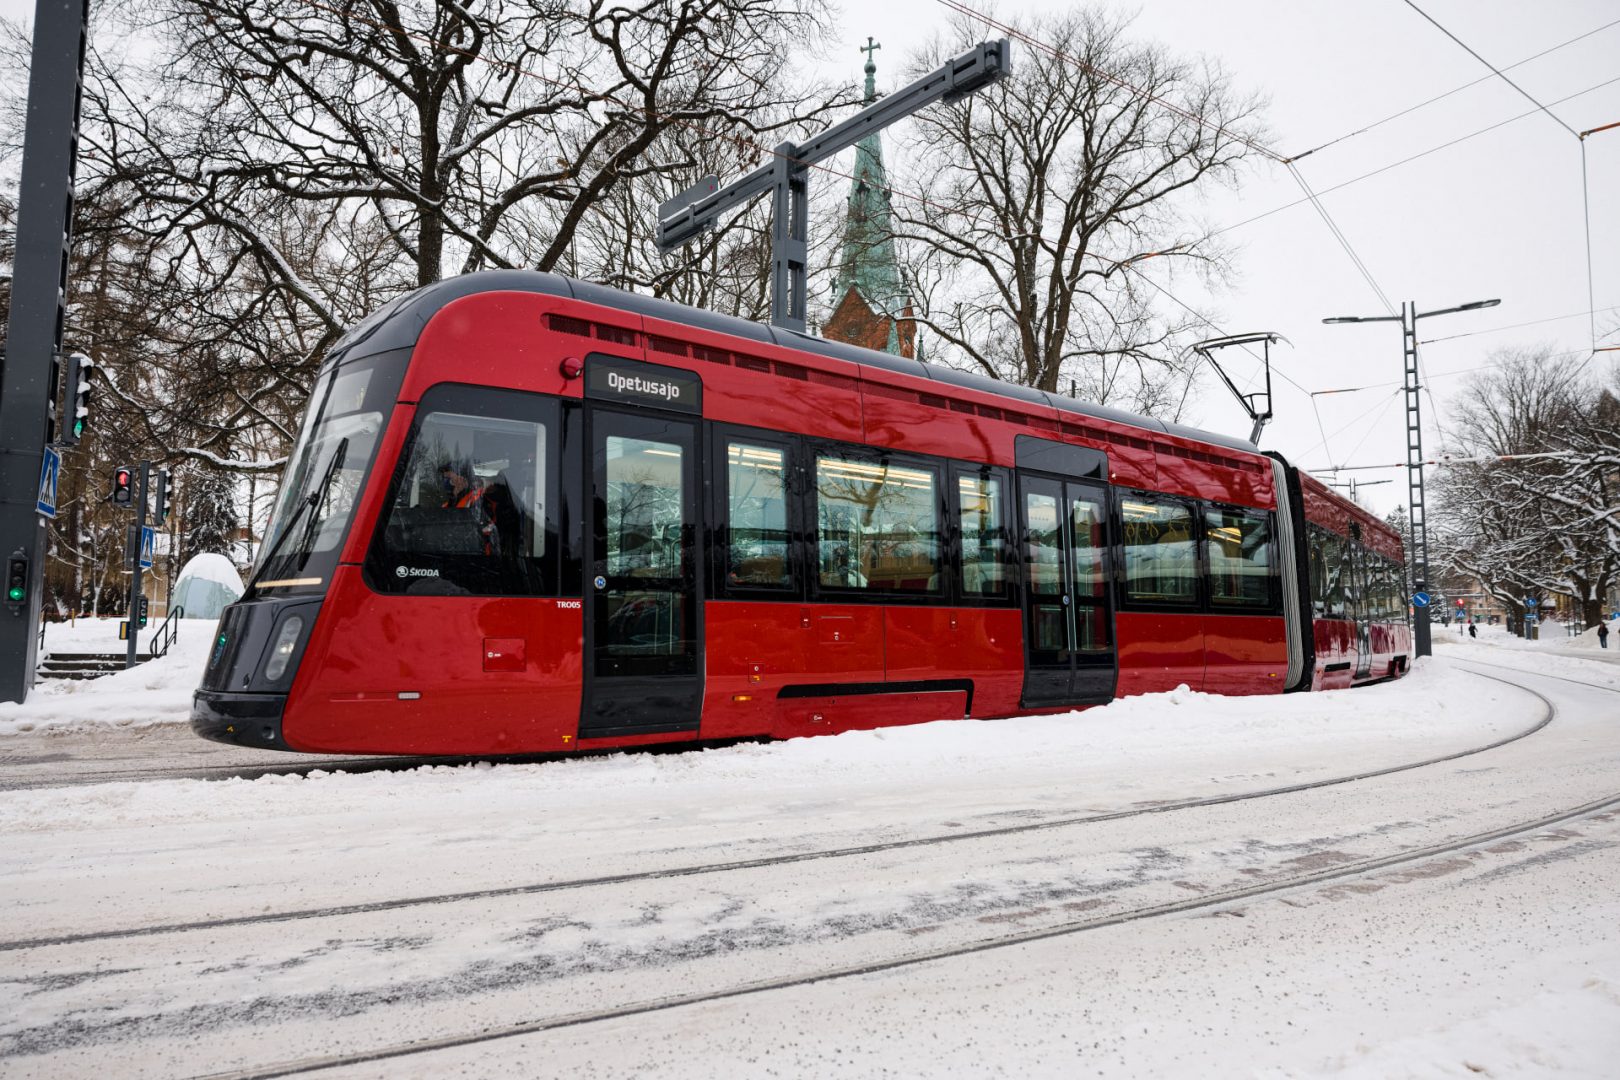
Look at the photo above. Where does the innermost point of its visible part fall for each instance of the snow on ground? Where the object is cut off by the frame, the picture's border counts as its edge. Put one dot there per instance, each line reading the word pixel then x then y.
pixel 1553 654
pixel 1554 637
pixel 1508 966
pixel 156 692
pixel 1131 746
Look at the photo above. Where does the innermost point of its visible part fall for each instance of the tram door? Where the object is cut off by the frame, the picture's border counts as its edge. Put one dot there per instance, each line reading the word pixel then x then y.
pixel 1358 599
pixel 1068 621
pixel 643 668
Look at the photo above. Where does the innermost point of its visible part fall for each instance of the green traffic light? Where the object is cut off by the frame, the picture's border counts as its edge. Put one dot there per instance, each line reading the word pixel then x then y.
pixel 16 592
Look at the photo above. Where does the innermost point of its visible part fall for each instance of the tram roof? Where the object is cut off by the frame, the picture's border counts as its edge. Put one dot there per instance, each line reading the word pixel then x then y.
pixel 398 324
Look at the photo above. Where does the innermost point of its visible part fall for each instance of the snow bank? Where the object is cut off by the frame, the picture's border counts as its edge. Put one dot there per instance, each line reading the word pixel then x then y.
pixel 1118 750
pixel 157 692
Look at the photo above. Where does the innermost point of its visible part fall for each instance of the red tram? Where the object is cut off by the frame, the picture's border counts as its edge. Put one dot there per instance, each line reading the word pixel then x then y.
pixel 527 514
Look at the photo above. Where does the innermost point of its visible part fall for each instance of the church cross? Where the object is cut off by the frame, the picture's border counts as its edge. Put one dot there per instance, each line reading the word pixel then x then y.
pixel 869 48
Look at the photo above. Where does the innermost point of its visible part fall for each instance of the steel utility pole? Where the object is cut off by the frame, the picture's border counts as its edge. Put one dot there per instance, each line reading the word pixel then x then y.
pixel 787 175
pixel 136 544
pixel 38 299
pixel 1408 318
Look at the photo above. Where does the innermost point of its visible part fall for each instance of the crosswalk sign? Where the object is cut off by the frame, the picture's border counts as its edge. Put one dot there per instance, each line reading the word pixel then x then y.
pixel 148 543
pixel 50 470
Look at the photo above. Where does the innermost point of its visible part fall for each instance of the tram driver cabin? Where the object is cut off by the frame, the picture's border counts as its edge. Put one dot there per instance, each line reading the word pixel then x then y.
pixel 527 514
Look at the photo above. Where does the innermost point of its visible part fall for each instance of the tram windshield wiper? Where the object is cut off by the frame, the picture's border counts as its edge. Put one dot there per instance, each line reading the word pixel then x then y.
pixel 305 506
pixel 317 497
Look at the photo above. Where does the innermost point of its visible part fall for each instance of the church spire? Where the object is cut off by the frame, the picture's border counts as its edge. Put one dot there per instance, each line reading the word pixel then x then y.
pixel 866 259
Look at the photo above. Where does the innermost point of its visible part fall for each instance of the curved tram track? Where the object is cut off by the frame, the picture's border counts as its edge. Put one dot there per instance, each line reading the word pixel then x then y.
pixel 1202 902
pixel 763 862
pixel 1319 868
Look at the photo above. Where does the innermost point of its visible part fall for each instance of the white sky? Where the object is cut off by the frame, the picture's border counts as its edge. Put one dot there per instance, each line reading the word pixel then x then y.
pixel 1497 216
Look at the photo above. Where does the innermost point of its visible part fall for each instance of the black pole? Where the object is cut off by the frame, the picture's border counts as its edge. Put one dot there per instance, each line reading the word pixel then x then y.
pixel 38 295
pixel 132 647
pixel 1421 643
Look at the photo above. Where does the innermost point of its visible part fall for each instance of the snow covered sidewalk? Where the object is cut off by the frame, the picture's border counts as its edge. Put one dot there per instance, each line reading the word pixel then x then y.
pixel 156 692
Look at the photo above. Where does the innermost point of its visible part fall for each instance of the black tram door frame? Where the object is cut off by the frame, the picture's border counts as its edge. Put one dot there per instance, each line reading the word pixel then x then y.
pixel 1057 670
pixel 643 662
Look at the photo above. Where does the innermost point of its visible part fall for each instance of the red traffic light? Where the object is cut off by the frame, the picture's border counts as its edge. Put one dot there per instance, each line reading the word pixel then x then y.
pixel 122 493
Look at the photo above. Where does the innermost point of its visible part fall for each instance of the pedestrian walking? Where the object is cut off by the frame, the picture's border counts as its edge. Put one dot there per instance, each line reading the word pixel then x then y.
pixel 1472 632
pixel 1603 635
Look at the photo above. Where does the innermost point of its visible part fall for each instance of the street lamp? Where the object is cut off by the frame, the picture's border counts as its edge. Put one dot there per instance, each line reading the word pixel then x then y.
pixel 1408 318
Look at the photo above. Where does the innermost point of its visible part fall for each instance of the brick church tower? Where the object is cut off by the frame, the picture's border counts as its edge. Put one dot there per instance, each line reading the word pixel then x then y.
pixel 873 309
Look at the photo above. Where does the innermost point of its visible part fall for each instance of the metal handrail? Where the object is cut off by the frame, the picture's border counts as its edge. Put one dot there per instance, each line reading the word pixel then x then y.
pixel 167 633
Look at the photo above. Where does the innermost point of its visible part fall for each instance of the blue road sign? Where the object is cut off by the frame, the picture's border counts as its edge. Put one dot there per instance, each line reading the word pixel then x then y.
pixel 50 470
pixel 148 543
pixel 1420 599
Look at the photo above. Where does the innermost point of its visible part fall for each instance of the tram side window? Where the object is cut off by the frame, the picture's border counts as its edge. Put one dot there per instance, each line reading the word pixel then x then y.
pixel 877 526
pixel 469 512
pixel 756 517
pixel 1349 594
pixel 1327 569
pixel 1239 558
pixel 1161 552
pixel 984 539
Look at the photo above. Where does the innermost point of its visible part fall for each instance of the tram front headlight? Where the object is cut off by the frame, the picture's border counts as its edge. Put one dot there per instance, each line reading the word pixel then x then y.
pixel 281 652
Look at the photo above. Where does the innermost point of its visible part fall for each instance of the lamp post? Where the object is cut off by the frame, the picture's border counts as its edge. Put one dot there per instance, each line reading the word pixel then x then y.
pixel 1408 318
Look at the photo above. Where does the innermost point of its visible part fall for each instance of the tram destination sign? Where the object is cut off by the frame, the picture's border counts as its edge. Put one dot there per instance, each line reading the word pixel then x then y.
pixel 609 378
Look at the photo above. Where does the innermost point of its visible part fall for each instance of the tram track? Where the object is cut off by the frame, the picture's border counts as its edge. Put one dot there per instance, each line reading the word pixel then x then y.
pixel 1549 711
pixel 301 767
pixel 355 764
pixel 1204 902
pixel 1528 671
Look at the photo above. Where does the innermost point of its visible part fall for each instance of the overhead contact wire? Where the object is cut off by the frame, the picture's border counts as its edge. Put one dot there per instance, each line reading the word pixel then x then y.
pixel 1455 90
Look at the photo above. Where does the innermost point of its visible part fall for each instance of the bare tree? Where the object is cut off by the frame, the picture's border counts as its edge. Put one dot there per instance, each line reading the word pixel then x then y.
pixel 1043 195
pixel 271 170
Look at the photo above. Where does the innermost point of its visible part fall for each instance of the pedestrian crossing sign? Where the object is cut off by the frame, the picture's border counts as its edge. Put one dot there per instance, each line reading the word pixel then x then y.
pixel 50 470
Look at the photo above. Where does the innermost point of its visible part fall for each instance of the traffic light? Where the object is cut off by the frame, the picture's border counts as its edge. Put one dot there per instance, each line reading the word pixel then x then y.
pixel 54 389
pixel 17 578
pixel 77 400
pixel 160 511
pixel 123 491
pixel 141 622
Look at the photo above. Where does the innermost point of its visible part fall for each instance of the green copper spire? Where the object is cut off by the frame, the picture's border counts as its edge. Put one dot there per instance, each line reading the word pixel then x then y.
pixel 866 260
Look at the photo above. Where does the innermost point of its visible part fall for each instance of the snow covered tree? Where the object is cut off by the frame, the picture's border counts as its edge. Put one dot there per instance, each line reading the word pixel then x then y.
pixel 209 520
pixel 1533 505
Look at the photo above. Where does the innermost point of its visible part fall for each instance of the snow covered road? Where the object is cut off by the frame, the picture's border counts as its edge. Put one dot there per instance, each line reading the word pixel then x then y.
pixel 539 940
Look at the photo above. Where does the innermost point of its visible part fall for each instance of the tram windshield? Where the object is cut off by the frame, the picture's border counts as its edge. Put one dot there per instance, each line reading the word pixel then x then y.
pixel 325 473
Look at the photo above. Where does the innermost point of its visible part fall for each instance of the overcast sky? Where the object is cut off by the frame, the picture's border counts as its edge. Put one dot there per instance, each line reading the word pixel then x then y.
pixel 1497 216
